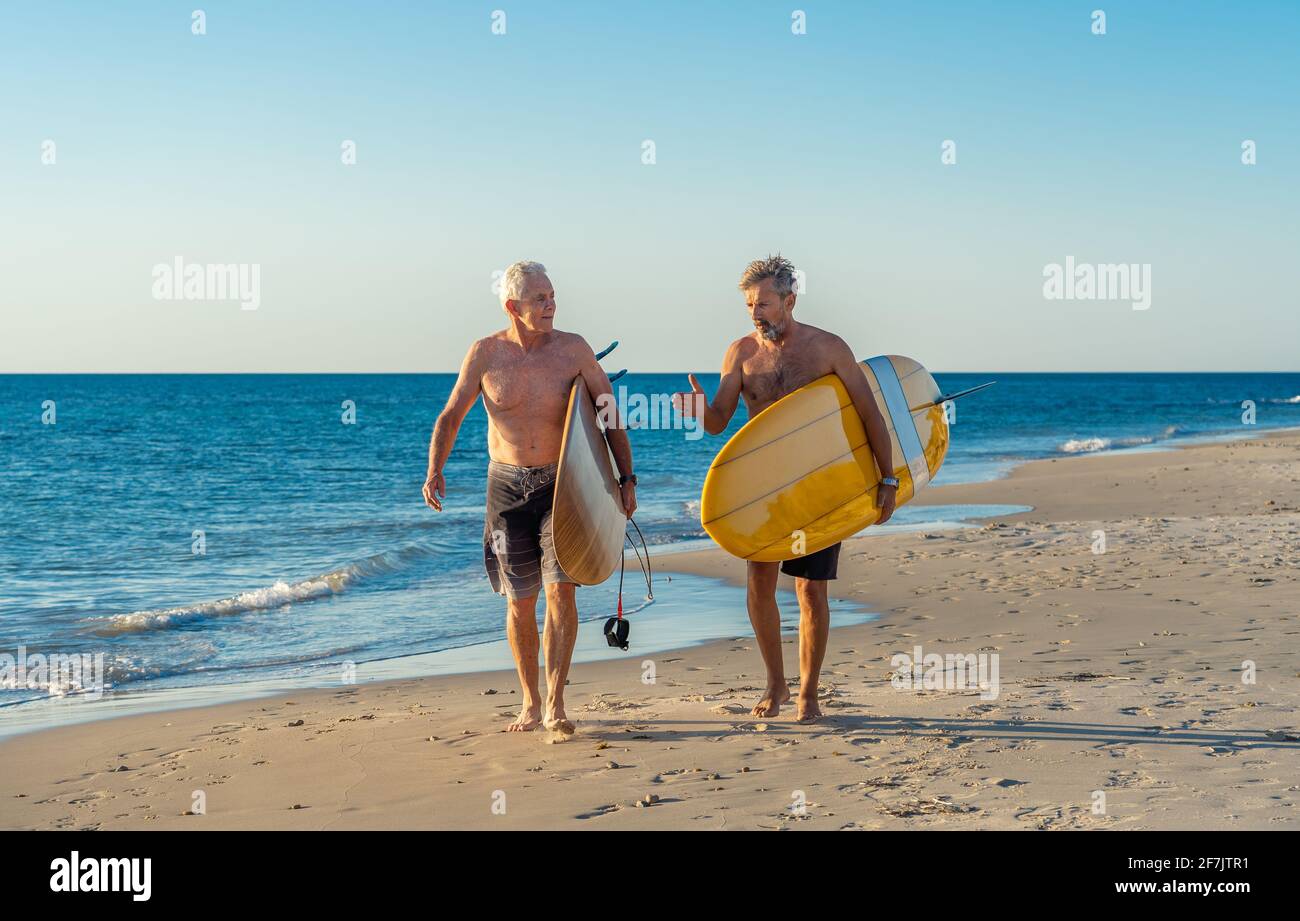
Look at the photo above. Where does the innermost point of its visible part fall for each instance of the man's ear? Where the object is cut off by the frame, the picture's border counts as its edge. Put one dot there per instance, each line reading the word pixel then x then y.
pixel 789 301
pixel 511 307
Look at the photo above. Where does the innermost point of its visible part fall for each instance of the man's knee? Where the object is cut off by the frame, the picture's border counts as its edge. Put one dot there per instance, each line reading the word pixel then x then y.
pixel 811 592
pixel 564 594
pixel 763 576
pixel 522 608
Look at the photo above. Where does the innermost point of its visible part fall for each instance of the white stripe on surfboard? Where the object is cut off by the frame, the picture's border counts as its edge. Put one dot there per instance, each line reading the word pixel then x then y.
pixel 896 402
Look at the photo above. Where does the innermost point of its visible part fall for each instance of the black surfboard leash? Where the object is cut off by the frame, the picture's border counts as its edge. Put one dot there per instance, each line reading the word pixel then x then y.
pixel 617 627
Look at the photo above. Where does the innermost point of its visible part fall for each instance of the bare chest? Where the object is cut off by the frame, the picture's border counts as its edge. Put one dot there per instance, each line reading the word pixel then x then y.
pixel 769 376
pixel 537 385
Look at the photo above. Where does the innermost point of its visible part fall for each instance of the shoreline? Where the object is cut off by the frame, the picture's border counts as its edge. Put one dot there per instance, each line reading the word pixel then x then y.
pixel 171 698
pixel 1144 498
pixel 490 657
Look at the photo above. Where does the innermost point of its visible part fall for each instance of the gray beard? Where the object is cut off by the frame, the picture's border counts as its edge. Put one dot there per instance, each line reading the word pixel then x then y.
pixel 771 333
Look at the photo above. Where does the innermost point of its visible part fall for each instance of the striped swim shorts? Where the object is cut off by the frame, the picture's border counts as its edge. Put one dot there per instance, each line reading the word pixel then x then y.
pixel 518 541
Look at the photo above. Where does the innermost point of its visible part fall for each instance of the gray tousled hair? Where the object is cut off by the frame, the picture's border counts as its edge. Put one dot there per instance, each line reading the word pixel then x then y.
pixel 778 268
pixel 512 282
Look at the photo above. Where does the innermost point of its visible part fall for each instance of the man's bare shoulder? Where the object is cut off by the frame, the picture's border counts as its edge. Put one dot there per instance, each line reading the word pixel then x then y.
pixel 742 348
pixel 825 342
pixel 573 347
pixel 820 336
pixel 493 347
pixel 569 340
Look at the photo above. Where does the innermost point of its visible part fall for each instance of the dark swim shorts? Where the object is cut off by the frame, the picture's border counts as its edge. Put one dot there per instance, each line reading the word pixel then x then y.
pixel 518 542
pixel 824 564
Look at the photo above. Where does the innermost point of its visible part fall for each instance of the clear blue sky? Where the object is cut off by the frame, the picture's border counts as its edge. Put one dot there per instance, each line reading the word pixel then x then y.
pixel 474 150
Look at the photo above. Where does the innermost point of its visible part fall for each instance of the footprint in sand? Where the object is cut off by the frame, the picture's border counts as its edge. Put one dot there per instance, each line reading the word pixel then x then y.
pixel 1219 751
pixel 88 798
pixel 599 811
pixel 609 702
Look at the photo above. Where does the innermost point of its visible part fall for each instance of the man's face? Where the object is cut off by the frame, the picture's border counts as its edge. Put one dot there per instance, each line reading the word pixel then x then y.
pixel 536 305
pixel 769 311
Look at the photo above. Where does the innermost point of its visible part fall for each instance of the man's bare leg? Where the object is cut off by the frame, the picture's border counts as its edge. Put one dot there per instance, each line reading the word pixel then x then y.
pixel 559 637
pixel 521 629
pixel 814 628
pixel 764 615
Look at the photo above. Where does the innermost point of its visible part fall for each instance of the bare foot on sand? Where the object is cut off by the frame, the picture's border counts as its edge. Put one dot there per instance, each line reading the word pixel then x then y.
pixel 770 705
pixel 527 721
pixel 557 721
pixel 807 709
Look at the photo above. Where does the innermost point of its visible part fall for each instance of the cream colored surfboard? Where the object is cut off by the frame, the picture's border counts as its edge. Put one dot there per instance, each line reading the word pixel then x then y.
pixel 587 515
pixel 800 475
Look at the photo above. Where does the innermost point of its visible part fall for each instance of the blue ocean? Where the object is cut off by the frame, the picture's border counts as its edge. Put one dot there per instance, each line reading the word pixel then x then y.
pixel 211 532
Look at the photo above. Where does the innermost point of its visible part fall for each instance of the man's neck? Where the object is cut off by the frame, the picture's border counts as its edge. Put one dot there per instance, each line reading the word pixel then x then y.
pixel 521 335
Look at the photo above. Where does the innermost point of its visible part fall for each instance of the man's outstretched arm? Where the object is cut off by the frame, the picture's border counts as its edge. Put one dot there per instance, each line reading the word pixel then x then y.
pixel 463 395
pixel 716 415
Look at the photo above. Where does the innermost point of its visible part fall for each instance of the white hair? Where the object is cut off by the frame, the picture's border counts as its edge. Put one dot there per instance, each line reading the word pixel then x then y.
pixel 512 282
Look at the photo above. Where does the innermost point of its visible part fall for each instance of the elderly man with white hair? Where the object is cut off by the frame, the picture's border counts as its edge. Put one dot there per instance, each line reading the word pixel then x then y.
pixel 524 373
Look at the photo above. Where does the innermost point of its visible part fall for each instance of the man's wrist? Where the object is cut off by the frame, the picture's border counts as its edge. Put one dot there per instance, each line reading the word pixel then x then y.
pixel 629 478
pixel 889 481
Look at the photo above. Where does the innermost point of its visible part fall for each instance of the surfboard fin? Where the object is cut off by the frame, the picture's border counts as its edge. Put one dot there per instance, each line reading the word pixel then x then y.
pixel 952 396
pixel 609 348
pixel 616 375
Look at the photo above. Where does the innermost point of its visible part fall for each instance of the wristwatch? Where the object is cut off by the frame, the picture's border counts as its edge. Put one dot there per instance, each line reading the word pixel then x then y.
pixel 630 478
pixel 889 481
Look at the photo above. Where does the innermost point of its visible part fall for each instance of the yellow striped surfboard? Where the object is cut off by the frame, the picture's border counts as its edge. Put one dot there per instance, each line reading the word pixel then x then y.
pixel 803 467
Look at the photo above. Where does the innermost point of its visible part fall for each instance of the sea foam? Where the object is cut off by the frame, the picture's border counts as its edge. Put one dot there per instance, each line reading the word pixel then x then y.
pixel 267 598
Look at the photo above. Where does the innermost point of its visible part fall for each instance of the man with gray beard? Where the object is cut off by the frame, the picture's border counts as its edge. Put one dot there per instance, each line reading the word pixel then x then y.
pixel 777 358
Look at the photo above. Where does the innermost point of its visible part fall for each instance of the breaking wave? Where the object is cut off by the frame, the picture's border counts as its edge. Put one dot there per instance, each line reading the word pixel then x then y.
pixel 1090 445
pixel 267 598
pixel 1238 401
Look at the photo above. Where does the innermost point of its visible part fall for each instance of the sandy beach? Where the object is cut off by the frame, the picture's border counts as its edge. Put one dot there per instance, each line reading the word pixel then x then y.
pixel 1125 697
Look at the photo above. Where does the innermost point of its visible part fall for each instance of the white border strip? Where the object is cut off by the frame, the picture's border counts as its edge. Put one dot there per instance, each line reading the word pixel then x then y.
pixel 896 402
